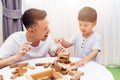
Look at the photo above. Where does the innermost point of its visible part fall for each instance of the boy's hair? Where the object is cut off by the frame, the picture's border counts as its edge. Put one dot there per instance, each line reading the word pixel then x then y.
pixel 31 16
pixel 87 14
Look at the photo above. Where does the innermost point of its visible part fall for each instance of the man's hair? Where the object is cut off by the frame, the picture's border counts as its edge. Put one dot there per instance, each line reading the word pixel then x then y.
pixel 31 16
pixel 87 14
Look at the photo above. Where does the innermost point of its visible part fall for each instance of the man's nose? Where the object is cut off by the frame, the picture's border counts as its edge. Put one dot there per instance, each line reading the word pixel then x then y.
pixel 48 30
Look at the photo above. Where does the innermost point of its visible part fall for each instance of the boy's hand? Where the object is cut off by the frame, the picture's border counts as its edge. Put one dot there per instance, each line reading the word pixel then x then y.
pixel 58 40
pixel 23 50
pixel 81 63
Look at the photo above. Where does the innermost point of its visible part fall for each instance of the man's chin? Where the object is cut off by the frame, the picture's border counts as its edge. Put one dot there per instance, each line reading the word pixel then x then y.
pixel 44 39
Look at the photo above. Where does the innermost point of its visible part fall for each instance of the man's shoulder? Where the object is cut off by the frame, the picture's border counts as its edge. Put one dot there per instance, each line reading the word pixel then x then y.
pixel 18 33
pixel 18 36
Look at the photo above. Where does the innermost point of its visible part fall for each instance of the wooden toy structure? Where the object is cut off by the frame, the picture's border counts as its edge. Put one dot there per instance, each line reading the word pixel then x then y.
pixel 65 66
pixel 59 68
pixel 46 75
pixel 20 69
pixel 1 77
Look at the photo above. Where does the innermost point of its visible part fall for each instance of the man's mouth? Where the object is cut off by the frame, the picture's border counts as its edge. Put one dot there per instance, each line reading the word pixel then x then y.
pixel 46 35
pixel 83 31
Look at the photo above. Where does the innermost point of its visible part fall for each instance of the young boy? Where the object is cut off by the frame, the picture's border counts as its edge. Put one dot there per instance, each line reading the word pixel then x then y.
pixel 86 42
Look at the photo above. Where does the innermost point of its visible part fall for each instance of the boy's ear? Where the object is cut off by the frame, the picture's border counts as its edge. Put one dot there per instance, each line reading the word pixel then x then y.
pixel 95 23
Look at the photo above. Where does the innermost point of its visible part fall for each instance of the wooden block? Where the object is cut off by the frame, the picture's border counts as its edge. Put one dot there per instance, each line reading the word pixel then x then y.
pixel 40 64
pixel 13 65
pixel 16 65
pixel 20 70
pixel 41 74
pixel 1 77
pixel 77 75
pixel 47 65
pixel 14 72
pixel 30 67
pixel 63 61
pixel 44 78
pixel 56 67
pixel 73 68
pixel 71 64
pixel 71 72
pixel 63 54
pixel 57 75
pixel 14 76
pixel 24 70
pixel 46 75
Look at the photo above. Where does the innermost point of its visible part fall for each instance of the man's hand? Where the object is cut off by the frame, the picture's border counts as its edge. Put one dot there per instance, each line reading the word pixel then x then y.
pixel 23 50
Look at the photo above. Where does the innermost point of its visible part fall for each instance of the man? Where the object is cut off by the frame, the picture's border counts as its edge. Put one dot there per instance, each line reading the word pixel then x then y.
pixel 33 43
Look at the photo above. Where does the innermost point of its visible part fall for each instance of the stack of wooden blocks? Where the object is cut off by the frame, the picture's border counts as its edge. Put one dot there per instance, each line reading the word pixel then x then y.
pixel 20 69
pixel 60 67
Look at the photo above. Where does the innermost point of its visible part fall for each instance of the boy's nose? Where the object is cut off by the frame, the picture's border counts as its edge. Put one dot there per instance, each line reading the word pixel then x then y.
pixel 82 28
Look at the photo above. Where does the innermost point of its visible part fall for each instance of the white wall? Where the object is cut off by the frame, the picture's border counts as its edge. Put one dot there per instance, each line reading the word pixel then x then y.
pixel 1 35
pixel 62 15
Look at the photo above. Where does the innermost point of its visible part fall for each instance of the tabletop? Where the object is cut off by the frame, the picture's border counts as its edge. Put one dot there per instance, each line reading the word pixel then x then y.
pixel 92 70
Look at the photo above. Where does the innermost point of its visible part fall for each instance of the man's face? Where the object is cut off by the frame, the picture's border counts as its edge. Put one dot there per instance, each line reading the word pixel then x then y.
pixel 86 27
pixel 41 30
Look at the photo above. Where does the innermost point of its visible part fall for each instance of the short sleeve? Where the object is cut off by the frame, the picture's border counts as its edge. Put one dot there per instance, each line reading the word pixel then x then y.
pixel 8 48
pixel 97 44
pixel 73 39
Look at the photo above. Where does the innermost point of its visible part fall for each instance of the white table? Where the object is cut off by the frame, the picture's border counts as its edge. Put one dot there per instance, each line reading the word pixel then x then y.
pixel 92 70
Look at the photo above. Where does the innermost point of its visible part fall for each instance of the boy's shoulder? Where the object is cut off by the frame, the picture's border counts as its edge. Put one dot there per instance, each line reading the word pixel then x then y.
pixel 96 35
pixel 78 33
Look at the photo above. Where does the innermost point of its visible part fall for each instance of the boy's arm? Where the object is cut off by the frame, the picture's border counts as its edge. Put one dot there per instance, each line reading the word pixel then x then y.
pixel 63 42
pixel 92 55
pixel 88 58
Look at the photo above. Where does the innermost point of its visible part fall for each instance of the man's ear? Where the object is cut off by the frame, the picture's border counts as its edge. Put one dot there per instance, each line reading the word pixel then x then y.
pixel 30 30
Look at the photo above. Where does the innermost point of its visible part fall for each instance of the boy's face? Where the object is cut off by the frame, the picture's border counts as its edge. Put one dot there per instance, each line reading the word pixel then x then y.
pixel 86 27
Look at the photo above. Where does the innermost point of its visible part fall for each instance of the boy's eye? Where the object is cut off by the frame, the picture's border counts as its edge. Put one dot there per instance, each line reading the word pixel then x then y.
pixel 85 25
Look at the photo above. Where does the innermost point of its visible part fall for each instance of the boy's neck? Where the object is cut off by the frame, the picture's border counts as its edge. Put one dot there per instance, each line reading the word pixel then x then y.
pixel 87 35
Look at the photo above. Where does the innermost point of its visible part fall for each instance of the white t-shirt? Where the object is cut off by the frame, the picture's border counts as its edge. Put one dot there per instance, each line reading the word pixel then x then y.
pixel 14 41
pixel 83 46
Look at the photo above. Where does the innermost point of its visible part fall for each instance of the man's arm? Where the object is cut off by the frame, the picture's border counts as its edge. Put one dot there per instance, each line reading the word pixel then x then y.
pixel 21 52
pixel 7 61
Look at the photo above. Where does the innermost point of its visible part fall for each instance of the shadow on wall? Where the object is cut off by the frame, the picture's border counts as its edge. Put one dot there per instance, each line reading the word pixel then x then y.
pixel 1 35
